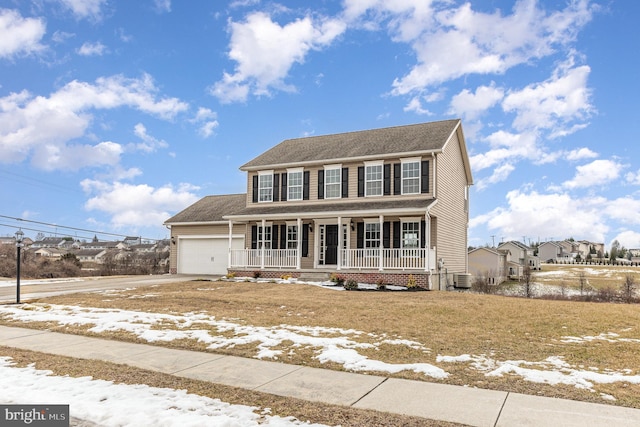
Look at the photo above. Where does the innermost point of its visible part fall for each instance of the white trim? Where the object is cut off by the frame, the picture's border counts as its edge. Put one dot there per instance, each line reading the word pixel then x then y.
pixel 333 167
pixel 407 161
pixel 376 163
pixel 292 171
pixel 263 174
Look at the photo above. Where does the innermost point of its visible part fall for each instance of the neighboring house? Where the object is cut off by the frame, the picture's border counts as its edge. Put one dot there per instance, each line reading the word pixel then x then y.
pixel 370 205
pixel 494 264
pixel 145 248
pixel 132 240
pixel 50 252
pixel 91 255
pixel 50 242
pixel 521 254
pixel 586 247
pixel 563 251
pixel 103 245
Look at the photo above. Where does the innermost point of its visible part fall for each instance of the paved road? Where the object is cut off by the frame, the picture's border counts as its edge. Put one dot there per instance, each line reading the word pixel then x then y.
pixel 31 289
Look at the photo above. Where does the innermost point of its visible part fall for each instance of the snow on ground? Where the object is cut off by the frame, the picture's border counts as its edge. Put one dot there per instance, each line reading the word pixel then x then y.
pixel 12 282
pixel 331 344
pixel 108 404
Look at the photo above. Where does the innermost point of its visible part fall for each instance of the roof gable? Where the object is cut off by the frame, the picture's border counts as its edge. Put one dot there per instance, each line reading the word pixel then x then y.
pixel 210 209
pixel 374 143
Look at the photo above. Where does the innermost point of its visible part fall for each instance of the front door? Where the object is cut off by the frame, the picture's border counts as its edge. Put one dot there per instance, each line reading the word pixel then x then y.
pixel 331 248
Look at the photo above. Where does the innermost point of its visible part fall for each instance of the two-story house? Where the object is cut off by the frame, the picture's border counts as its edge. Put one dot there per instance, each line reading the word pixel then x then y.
pixel 522 254
pixel 371 205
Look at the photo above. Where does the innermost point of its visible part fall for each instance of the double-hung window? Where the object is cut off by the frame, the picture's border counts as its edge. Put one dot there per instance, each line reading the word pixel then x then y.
pixel 265 186
pixel 411 176
pixel 294 184
pixel 292 236
pixel 411 235
pixel 332 182
pixel 373 179
pixel 371 237
pixel 266 238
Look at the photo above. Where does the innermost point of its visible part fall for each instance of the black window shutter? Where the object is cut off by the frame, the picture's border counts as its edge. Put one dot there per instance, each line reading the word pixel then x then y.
pixel 360 181
pixel 305 185
pixel 424 184
pixel 283 236
pixel 397 179
pixel 276 187
pixel 396 234
pixel 255 189
pixel 360 235
pixel 274 237
pixel 305 240
pixel 345 182
pixel 423 232
pixel 283 182
pixel 386 234
pixel 321 184
pixel 254 237
pixel 386 170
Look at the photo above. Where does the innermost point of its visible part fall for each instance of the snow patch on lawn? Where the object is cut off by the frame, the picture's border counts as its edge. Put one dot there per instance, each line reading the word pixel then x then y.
pixel 108 404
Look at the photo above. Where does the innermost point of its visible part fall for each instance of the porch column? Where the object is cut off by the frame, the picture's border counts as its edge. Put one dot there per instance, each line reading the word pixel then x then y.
pixel 340 236
pixel 381 247
pixel 427 240
pixel 230 240
pixel 262 241
pixel 299 245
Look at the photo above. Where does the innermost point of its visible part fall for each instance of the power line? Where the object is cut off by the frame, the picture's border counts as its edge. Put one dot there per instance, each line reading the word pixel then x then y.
pixel 56 226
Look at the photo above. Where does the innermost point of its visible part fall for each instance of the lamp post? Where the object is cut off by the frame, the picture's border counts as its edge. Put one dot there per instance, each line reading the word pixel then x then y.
pixel 19 236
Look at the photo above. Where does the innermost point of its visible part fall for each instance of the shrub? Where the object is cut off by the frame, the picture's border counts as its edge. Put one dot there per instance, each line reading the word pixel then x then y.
pixel 338 280
pixel 257 274
pixel 411 282
pixel 285 277
pixel 380 285
pixel 350 285
pixel 231 275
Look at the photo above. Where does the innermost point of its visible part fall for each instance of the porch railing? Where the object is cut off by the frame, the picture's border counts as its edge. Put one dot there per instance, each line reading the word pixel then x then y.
pixel 392 259
pixel 280 258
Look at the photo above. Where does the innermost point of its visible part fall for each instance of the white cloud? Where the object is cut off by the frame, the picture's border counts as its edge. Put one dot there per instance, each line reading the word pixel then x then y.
pixel 506 146
pixel 39 126
pixel 137 205
pixel 162 5
pixel 207 122
pixel 454 42
pixel 553 104
pixel 633 177
pixel 471 105
pixel 554 214
pixel 629 239
pixel 501 173
pixel 75 156
pixel 265 51
pixel 598 172
pixel 580 153
pixel 19 35
pixel 623 209
pixel 149 143
pixel 91 9
pixel 415 105
pixel 92 49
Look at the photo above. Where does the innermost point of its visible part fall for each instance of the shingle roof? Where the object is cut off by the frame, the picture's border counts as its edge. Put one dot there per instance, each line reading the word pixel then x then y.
pixel 210 208
pixel 423 137
pixel 335 209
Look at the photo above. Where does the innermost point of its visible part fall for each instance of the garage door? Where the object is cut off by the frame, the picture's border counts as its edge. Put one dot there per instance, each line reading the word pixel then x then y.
pixel 205 255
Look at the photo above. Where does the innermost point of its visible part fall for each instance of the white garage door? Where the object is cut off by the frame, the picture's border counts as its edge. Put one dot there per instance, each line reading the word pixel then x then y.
pixel 205 255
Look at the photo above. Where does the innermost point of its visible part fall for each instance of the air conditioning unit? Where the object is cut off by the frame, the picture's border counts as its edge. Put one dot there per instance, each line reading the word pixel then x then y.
pixel 462 280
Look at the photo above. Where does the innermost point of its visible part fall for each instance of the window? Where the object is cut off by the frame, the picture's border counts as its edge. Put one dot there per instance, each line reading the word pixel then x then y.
pixel 411 177
pixel 410 235
pixel 294 185
pixel 372 237
pixel 292 236
pixel 373 179
pixel 265 187
pixel 267 237
pixel 332 189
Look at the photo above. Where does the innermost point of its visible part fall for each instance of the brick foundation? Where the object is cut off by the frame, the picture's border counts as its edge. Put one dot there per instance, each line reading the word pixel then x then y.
pixel 398 279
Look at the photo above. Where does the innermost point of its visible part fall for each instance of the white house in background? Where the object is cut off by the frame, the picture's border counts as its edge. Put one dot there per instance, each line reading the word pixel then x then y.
pixel 494 264
pixel 91 255
pixel 50 252
pixel 556 252
pixel 521 254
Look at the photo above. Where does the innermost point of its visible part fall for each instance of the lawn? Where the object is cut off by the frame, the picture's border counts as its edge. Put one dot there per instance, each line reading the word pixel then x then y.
pixel 577 350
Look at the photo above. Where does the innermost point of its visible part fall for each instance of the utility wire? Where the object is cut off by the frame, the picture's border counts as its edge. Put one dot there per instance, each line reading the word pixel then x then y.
pixel 67 227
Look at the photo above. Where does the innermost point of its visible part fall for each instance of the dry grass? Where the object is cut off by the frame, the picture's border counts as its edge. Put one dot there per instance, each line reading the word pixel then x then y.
pixel 448 323
pixel 597 276
pixel 282 406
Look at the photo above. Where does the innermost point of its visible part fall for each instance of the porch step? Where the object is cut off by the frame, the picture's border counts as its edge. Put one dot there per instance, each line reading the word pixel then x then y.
pixel 315 276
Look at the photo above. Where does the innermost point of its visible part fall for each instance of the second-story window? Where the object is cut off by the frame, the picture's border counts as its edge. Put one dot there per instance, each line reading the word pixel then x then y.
pixel 373 179
pixel 411 176
pixel 332 178
pixel 294 184
pixel 265 187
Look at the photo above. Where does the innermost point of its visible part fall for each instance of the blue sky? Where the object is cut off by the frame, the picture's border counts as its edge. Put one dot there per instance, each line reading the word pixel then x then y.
pixel 115 115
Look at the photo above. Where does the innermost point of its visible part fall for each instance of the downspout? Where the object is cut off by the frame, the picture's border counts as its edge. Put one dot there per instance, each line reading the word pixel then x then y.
pixel 230 240
pixel 427 240
pixel 264 225
pixel 299 245
pixel 381 245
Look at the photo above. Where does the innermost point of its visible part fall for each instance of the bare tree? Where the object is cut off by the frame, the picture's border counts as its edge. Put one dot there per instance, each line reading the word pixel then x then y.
pixel 629 289
pixel 527 284
pixel 582 281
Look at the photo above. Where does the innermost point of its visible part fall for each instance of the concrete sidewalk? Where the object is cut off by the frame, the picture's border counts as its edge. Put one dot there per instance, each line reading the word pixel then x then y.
pixel 475 407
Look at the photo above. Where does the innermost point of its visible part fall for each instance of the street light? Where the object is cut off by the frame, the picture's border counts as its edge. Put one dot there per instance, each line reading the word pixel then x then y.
pixel 19 236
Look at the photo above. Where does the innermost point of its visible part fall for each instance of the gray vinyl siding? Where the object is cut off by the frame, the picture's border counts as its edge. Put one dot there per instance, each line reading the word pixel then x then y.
pixel 451 213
